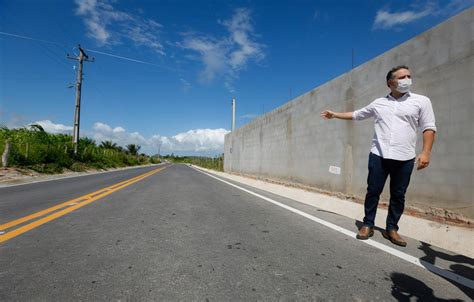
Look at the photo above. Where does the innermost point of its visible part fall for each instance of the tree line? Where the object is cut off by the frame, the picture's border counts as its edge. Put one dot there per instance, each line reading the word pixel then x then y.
pixel 215 163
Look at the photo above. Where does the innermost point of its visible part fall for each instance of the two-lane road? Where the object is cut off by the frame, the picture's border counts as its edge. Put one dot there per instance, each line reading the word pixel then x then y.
pixel 174 233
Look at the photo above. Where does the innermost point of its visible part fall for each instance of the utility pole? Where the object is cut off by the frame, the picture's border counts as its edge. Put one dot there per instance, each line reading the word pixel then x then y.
pixel 77 114
pixel 233 113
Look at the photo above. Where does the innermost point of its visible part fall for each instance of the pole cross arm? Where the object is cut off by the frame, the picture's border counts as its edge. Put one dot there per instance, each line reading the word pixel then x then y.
pixel 72 57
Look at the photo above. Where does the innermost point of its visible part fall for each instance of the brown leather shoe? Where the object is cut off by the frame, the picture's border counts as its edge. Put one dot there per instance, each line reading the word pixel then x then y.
pixel 365 232
pixel 393 236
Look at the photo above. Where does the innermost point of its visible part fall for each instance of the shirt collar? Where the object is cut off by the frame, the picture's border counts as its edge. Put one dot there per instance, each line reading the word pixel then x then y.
pixel 404 97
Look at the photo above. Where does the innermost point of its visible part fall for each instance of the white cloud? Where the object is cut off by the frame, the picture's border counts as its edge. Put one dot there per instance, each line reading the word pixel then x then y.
pixel 212 54
pixel 199 140
pixel 228 55
pixel 386 20
pixel 51 127
pixel 100 127
pixel 241 29
pixel 109 26
pixel 194 141
pixel 103 132
pixel 144 34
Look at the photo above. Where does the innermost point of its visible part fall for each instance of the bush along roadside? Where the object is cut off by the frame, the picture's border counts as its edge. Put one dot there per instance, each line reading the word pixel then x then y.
pixel 33 148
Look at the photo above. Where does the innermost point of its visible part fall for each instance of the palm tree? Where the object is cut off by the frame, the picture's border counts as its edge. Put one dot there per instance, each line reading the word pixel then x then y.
pixel 85 141
pixel 108 145
pixel 37 127
pixel 133 149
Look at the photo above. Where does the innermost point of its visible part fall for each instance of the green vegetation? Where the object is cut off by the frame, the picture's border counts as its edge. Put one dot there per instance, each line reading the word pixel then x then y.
pixel 215 163
pixel 36 149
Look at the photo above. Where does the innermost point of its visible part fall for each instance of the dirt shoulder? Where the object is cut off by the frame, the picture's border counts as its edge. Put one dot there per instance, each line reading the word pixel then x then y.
pixel 15 176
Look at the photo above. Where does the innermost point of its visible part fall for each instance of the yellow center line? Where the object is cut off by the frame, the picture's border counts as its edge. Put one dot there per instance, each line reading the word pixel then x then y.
pixel 89 198
pixel 64 204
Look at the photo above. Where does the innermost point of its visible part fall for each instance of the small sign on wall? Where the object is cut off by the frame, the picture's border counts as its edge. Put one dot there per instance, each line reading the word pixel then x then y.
pixel 335 170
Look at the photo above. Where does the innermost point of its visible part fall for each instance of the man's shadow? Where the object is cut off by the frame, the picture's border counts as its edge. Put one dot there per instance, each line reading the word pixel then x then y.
pixel 405 288
pixel 430 257
pixel 457 268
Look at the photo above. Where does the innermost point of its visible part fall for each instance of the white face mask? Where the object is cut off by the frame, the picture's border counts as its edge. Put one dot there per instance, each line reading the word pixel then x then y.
pixel 404 85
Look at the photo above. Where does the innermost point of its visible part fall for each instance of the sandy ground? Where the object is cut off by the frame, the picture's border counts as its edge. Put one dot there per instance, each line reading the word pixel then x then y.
pixel 10 176
pixel 13 176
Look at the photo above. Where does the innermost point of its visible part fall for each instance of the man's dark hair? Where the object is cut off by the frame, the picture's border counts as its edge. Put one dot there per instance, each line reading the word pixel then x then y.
pixel 395 69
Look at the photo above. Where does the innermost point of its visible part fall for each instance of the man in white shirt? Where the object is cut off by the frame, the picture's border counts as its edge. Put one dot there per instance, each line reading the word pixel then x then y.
pixel 397 117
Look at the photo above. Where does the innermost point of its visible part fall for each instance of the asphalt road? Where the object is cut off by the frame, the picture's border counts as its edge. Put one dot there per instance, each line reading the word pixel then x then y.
pixel 179 234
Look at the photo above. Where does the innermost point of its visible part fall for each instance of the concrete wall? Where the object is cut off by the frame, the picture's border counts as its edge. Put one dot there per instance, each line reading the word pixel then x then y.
pixel 293 144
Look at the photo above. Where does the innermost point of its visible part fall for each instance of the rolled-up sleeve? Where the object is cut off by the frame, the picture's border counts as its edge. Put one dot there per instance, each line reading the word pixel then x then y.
pixel 364 113
pixel 427 117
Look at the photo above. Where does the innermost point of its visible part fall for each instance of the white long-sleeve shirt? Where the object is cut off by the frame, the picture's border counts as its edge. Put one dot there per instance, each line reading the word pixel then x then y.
pixel 396 123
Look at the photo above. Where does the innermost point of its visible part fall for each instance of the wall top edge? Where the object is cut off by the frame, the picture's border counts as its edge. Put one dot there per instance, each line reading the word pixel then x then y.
pixel 462 15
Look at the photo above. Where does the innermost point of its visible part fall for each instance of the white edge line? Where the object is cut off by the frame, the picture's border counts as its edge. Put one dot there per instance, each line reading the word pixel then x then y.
pixel 73 176
pixel 409 258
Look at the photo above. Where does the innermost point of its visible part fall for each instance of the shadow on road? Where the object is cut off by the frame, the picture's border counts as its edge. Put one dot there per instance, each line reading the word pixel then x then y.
pixel 457 268
pixel 460 266
pixel 406 288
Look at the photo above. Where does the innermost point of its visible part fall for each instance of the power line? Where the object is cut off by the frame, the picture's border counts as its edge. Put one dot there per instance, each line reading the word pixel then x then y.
pixel 130 59
pixel 90 50
pixel 47 51
pixel 29 38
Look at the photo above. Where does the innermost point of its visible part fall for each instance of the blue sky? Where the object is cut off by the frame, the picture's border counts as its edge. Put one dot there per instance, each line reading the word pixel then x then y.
pixel 165 71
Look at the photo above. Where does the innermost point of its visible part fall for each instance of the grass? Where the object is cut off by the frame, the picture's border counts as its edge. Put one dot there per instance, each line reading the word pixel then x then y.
pixel 35 149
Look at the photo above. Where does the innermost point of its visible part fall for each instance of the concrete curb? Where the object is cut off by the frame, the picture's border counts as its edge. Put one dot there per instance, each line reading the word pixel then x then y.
pixel 452 238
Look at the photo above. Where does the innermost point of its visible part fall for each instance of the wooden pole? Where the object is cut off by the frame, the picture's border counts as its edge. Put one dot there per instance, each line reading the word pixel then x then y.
pixel 6 154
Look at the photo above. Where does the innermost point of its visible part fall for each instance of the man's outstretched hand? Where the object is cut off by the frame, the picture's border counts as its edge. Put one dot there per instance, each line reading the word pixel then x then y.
pixel 326 114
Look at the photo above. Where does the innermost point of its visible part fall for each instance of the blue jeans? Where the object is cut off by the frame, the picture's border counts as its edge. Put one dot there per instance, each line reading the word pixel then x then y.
pixel 379 170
